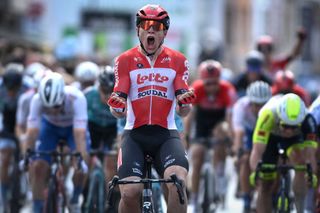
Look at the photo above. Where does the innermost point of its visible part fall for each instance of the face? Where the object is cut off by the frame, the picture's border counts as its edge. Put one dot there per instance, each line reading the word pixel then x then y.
pixel 211 85
pixel 253 76
pixel 151 33
pixel 255 108
pixel 288 131
pixel 104 94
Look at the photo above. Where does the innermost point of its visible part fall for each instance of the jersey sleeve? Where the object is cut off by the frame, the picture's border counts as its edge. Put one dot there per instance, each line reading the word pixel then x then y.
pixel 21 115
pixel 309 129
pixel 197 86
pixel 80 118
pixel 122 77
pixel 34 117
pixel 263 126
pixel 238 116
pixel 182 76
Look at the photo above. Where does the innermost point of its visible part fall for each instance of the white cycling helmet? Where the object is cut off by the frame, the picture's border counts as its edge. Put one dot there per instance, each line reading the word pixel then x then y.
pixel 291 109
pixel 33 68
pixel 39 75
pixel 87 71
pixel 51 90
pixel 259 92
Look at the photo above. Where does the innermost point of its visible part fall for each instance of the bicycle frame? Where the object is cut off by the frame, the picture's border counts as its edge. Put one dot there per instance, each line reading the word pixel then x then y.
pixel 147 202
pixel 56 198
pixel 96 194
pixel 283 196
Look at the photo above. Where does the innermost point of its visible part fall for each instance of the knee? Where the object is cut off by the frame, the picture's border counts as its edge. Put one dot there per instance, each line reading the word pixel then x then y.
pixel 39 169
pixel 265 187
pixel 130 193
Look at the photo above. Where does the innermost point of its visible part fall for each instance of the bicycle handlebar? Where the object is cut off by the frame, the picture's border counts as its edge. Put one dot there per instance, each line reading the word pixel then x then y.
pixel 173 179
pixel 282 168
pixel 53 153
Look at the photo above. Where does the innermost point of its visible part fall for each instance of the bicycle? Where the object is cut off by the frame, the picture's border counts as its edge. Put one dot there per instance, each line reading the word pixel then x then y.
pixel 96 191
pixel 284 201
pixel 147 205
pixel 56 200
pixel 213 182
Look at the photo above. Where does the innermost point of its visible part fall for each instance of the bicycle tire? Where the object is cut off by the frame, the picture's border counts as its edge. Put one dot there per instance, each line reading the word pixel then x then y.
pixel 51 201
pixel 208 197
pixel 96 192
pixel 157 197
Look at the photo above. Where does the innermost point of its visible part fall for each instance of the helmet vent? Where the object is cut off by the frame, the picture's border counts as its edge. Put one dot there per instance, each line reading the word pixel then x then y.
pixel 161 14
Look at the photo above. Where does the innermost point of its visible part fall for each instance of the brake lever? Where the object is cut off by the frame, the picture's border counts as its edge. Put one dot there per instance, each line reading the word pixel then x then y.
pixel 178 183
pixel 111 186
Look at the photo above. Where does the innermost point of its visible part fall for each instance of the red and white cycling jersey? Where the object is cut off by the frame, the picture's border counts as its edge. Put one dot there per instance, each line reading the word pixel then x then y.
pixel 150 87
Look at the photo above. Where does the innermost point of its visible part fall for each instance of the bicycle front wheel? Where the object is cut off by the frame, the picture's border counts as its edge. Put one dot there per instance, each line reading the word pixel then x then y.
pixel 51 201
pixel 96 193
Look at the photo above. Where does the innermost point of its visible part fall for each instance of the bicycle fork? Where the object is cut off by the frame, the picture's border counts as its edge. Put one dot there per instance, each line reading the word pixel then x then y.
pixel 147 204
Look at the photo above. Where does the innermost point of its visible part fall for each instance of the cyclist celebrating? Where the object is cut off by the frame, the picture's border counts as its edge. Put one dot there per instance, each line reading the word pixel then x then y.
pixel 214 100
pixel 56 112
pixel 265 45
pixel 284 82
pixel 150 78
pixel 283 122
pixel 244 116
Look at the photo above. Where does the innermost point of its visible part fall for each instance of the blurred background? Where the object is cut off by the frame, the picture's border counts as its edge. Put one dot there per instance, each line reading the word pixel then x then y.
pixel 64 32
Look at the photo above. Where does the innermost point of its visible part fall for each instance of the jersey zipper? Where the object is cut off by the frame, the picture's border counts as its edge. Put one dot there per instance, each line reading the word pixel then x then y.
pixel 150 109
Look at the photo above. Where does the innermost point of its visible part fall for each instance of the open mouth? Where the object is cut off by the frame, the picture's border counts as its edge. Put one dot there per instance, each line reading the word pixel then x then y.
pixel 150 40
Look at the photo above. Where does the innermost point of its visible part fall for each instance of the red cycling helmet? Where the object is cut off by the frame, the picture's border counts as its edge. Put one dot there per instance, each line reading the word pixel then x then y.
pixel 284 80
pixel 209 69
pixel 264 41
pixel 153 12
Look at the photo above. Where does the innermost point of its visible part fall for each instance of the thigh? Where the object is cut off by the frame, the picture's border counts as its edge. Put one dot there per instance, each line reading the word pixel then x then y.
pixel 130 158
pixel 171 153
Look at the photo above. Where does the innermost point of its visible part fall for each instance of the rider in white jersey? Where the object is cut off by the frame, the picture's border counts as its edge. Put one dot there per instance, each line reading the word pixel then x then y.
pixel 244 117
pixel 56 112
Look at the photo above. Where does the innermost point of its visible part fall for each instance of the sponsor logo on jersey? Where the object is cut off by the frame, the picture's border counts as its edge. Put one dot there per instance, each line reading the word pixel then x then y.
pixel 116 73
pixel 262 133
pixel 151 77
pixel 165 59
pixel 137 59
pixel 152 92
pixel 311 137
